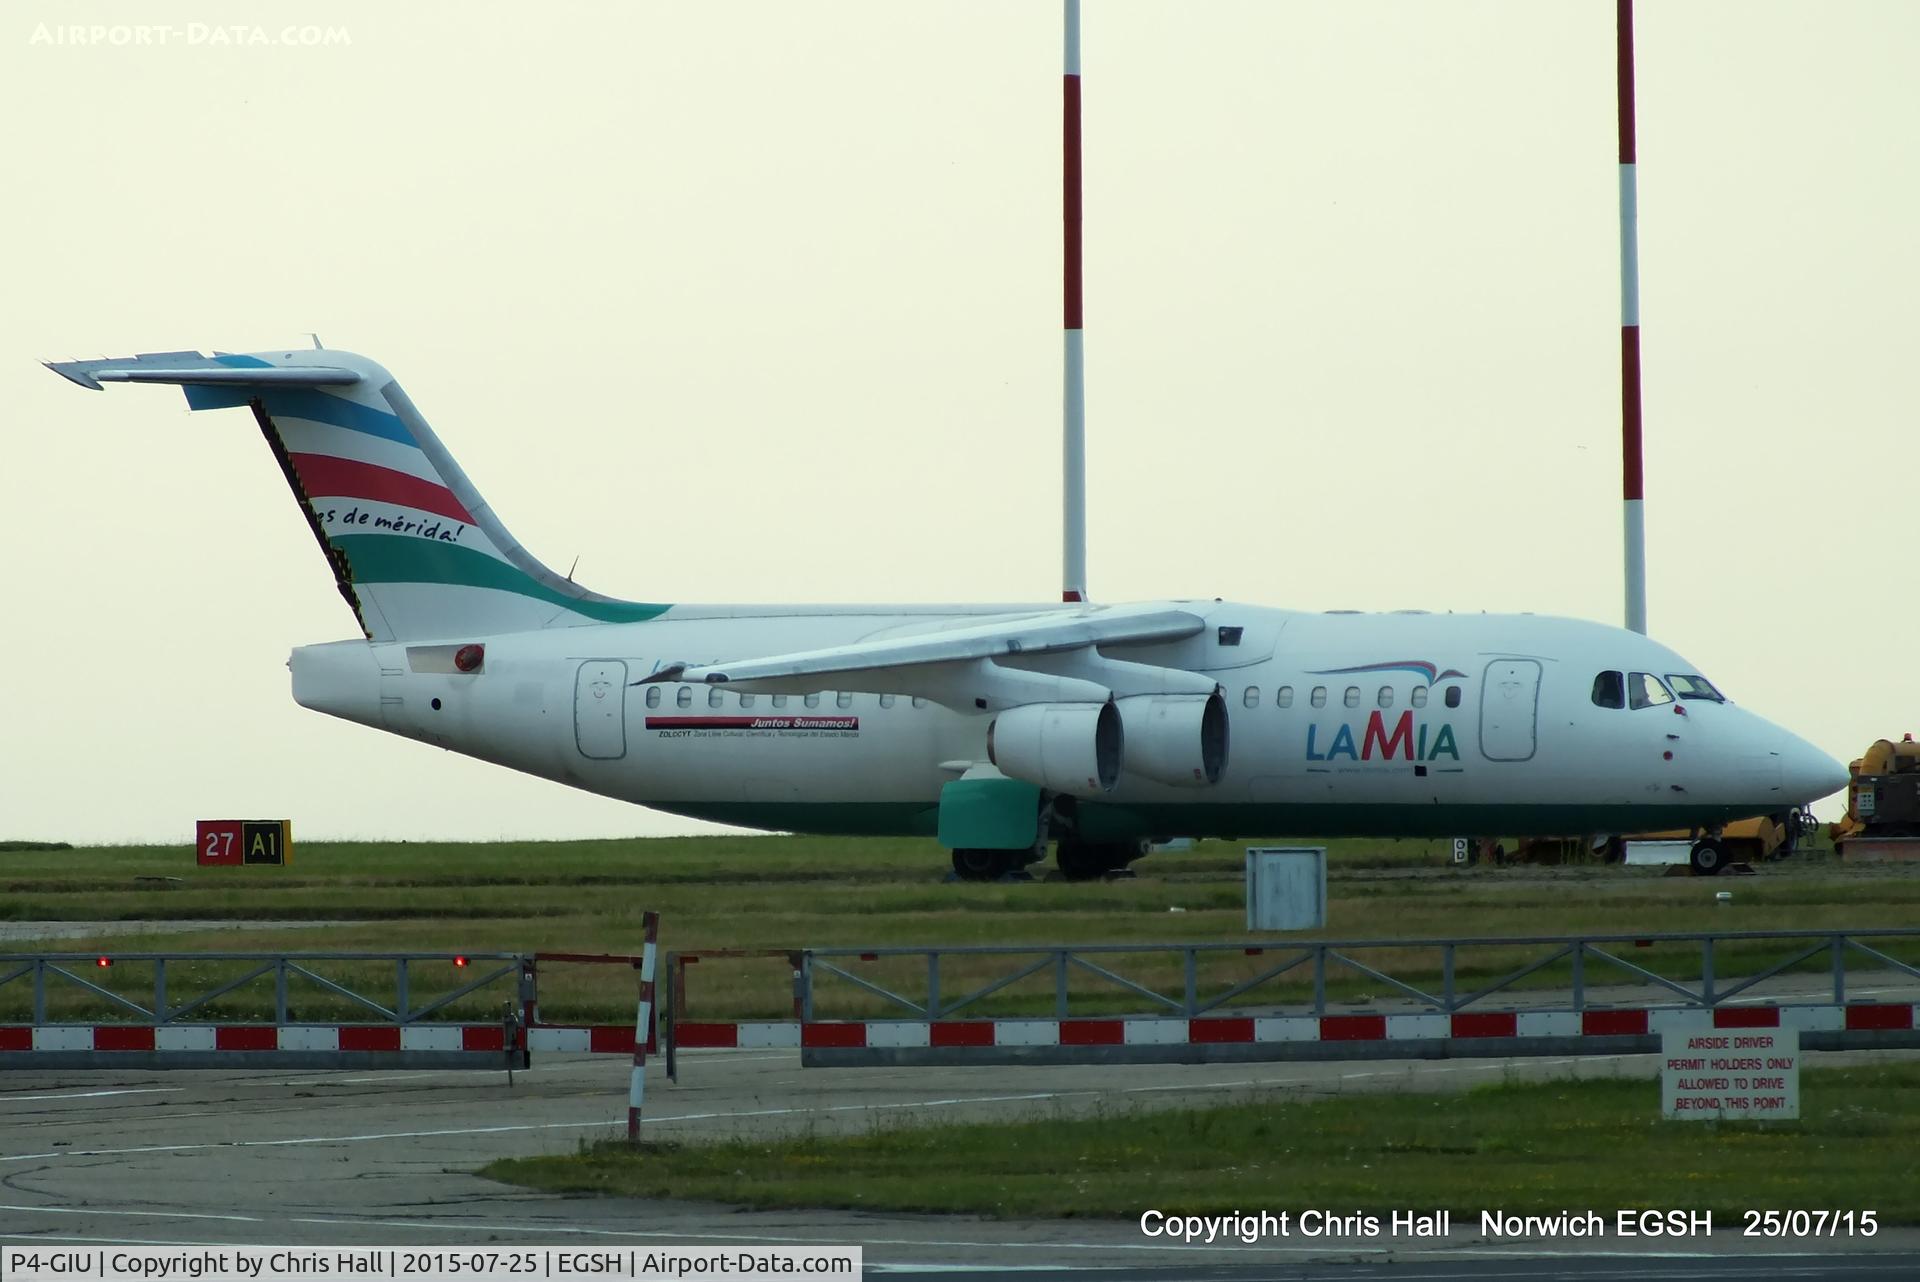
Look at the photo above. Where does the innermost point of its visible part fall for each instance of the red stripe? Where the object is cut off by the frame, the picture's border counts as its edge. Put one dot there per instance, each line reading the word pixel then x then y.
pixel 119 1037
pixel 1614 1023
pixel 1092 1032
pixel 324 476
pixel 960 1032
pixel 246 1037
pixel 1632 482
pixel 1353 1028
pixel 1862 1018
pixel 1213 1032
pixel 1486 1023
pixel 705 1036
pixel 374 1038
pixel 843 1036
pixel 1070 197
pixel 1623 80
pixel 483 1037
pixel 610 1039
pixel 1747 1017
pixel 16 1038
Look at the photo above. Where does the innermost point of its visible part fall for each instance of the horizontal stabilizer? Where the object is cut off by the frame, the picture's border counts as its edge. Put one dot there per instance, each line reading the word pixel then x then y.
pixel 191 368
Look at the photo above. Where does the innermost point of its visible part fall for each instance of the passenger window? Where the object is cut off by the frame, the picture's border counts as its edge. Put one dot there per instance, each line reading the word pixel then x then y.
pixel 1694 686
pixel 1252 697
pixel 886 701
pixel 746 700
pixel 714 695
pixel 1386 696
pixel 1419 697
pixel 779 700
pixel 919 702
pixel 1645 691
pixel 812 700
pixel 843 700
pixel 683 697
pixel 653 696
pixel 1609 691
pixel 1453 696
pixel 1319 697
pixel 1352 697
pixel 1283 697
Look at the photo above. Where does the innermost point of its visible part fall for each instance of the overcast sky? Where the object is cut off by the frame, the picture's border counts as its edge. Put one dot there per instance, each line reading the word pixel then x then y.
pixel 760 302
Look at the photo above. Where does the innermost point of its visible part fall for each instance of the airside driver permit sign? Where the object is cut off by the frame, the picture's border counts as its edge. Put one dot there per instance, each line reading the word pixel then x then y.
pixel 1725 1074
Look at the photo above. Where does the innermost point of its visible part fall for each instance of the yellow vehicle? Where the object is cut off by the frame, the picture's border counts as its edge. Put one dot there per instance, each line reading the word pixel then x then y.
pixel 1883 804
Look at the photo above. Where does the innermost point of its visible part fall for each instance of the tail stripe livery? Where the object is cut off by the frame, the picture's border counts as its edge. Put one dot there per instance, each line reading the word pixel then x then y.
pixel 415 550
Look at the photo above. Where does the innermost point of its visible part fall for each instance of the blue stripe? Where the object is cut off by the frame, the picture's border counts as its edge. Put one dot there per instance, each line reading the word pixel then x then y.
pixel 305 402
pixel 242 362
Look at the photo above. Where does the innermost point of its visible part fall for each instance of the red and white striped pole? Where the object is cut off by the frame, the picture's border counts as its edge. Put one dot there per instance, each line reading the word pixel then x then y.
pixel 1630 452
pixel 1074 452
pixel 642 1026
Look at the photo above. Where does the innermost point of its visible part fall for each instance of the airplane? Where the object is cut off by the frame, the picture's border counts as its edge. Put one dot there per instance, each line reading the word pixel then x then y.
pixel 997 729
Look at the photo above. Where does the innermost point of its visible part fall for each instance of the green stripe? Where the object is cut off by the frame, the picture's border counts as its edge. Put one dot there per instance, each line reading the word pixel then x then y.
pixel 391 558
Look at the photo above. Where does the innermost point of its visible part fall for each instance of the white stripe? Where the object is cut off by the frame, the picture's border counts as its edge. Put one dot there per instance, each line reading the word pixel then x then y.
pixel 1154 1032
pixel 1636 568
pixel 763 1036
pixel 905 1033
pixel 1287 1028
pixel 316 1037
pixel 183 1037
pixel 1550 1023
pixel 340 442
pixel 643 1020
pixel 1629 246
pixel 49 1038
pixel 1072 18
pixel 1813 1019
pixel 1679 1021
pixel 636 1087
pixel 567 1041
pixel 1026 1032
pixel 1414 1027
pixel 647 955
pixel 420 1037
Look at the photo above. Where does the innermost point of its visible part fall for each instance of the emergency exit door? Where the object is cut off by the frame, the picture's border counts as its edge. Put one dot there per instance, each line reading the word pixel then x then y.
pixel 1509 704
pixel 599 709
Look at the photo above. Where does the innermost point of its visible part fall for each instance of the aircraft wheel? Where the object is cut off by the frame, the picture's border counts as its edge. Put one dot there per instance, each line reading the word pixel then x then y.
pixel 1087 861
pixel 1709 857
pixel 972 864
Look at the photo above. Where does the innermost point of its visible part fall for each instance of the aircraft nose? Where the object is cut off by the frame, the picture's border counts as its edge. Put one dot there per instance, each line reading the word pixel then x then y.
pixel 1808 774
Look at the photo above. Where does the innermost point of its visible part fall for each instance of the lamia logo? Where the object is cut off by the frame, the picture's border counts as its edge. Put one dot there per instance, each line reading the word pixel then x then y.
pixel 1407 740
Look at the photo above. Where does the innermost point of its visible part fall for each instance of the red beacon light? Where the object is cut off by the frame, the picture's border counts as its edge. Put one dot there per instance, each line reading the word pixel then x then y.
pixel 460 961
pixel 470 658
pixel 103 962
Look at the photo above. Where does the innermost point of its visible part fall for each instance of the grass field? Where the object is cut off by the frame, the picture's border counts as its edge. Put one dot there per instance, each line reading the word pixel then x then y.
pixel 791 892
pixel 1523 1148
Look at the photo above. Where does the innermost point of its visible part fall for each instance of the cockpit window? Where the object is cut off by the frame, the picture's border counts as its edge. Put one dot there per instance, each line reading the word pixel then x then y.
pixel 1644 690
pixel 1694 686
pixel 1609 690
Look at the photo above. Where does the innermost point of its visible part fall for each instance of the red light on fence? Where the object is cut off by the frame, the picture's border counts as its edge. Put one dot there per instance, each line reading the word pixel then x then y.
pixel 103 961
pixel 459 961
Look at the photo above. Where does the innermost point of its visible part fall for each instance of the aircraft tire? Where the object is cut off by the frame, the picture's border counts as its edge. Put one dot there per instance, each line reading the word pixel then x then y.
pixel 973 864
pixel 1708 858
pixel 1090 861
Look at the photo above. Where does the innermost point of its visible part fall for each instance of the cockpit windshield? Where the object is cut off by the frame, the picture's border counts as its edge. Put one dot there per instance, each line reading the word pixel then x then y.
pixel 1694 686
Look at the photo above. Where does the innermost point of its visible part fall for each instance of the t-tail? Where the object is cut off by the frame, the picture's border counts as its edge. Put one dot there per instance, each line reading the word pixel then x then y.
pixel 415 550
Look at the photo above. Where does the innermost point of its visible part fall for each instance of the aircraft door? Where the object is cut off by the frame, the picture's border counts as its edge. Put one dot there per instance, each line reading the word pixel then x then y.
pixel 599 709
pixel 1509 701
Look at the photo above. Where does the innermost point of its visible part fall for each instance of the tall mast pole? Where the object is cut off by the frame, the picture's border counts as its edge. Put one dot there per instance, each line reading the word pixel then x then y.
pixel 1074 450
pixel 1630 451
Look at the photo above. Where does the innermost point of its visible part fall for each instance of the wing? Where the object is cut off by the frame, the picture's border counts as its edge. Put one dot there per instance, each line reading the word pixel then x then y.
pixel 1051 656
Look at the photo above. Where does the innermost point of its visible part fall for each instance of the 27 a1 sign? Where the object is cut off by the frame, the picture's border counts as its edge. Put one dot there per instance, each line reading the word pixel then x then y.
pixel 243 841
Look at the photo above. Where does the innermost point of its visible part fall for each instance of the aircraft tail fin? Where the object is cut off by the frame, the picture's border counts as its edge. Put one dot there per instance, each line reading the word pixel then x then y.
pixel 415 550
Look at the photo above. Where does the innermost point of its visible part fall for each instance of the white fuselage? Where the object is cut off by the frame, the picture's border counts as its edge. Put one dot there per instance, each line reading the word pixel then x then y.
pixel 1423 724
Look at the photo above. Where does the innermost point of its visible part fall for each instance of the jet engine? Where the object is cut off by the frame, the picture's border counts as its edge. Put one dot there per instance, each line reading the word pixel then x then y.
pixel 1073 748
pixel 1179 739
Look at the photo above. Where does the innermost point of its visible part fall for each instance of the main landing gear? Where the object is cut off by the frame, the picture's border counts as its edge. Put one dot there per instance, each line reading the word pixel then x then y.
pixel 1089 860
pixel 1708 857
pixel 991 865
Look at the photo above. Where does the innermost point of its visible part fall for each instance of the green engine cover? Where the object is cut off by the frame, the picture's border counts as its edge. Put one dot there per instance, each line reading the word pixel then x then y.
pixel 989 814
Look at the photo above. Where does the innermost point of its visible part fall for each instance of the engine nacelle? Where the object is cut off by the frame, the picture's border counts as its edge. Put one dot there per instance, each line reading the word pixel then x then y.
pixel 1179 739
pixel 1073 748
